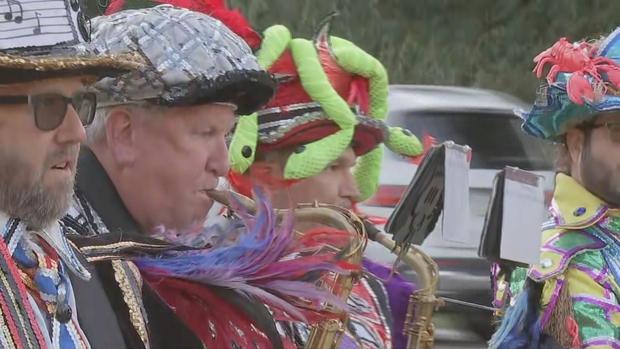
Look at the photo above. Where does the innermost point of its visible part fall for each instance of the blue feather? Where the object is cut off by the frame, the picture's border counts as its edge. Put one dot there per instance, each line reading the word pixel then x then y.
pixel 520 326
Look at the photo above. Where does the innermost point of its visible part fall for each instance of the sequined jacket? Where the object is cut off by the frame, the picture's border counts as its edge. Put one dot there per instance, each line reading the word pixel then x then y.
pixel 576 283
pixel 37 304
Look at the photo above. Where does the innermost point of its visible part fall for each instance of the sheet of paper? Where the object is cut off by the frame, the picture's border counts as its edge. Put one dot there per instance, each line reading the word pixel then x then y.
pixel 523 215
pixel 456 215
pixel 25 23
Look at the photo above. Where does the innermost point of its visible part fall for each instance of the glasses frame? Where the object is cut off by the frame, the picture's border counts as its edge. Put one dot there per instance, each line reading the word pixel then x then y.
pixel 34 100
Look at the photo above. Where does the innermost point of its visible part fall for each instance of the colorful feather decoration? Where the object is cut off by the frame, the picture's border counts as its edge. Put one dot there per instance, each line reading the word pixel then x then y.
pixel 267 262
pixel 521 325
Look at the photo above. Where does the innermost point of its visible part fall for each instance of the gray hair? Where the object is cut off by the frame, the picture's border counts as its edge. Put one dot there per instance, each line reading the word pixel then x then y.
pixel 95 132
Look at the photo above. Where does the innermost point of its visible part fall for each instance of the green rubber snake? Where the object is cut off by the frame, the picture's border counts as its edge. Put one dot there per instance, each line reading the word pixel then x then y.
pixel 315 156
pixel 275 42
pixel 318 154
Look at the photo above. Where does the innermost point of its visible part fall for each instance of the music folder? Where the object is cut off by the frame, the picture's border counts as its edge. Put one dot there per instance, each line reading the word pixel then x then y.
pixel 418 210
pixel 511 231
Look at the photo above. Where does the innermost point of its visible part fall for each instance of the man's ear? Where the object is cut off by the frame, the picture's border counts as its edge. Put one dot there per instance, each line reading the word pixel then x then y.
pixel 121 134
pixel 575 143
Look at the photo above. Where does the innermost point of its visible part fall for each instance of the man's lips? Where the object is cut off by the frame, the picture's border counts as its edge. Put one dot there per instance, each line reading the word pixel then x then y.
pixel 63 165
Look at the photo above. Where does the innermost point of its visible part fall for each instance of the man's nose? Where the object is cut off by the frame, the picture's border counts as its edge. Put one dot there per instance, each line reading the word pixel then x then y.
pixel 71 130
pixel 349 187
pixel 218 158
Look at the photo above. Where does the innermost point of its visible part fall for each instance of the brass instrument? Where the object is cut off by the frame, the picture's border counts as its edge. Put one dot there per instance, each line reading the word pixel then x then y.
pixel 326 335
pixel 418 326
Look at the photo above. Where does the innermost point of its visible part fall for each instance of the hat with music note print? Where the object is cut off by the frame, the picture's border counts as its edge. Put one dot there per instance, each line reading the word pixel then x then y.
pixel 38 39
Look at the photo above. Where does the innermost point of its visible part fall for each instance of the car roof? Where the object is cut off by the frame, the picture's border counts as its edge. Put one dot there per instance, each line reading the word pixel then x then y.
pixel 452 98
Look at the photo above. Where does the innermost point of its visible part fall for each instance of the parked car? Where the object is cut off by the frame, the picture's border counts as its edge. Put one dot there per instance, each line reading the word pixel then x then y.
pixel 484 120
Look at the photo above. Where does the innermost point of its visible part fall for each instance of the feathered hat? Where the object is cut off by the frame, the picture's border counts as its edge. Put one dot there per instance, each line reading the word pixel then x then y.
pixel 39 40
pixel 331 95
pixel 583 81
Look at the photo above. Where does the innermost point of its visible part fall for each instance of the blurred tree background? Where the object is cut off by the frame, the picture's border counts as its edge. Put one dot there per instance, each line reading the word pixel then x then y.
pixel 482 43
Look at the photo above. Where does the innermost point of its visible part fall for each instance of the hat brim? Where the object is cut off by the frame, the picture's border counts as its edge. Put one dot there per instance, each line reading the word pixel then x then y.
pixel 249 90
pixel 14 69
pixel 554 113
pixel 365 138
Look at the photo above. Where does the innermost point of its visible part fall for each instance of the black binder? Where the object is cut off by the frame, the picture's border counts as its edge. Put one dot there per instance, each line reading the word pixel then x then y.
pixel 416 214
pixel 491 238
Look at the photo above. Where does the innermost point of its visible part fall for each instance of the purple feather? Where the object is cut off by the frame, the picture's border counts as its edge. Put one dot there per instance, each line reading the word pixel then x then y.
pixel 258 264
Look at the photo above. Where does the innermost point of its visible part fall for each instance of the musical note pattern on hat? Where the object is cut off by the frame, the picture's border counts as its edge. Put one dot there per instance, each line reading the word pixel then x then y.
pixel 41 23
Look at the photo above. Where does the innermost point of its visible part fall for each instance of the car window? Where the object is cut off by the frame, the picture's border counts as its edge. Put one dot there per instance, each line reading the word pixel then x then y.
pixel 496 139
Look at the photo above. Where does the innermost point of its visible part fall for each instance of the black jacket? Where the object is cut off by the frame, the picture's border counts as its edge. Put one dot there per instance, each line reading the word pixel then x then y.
pixel 104 307
pixel 115 292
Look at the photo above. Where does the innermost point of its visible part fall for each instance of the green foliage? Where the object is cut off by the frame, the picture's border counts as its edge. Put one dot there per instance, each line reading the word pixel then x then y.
pixel 483 43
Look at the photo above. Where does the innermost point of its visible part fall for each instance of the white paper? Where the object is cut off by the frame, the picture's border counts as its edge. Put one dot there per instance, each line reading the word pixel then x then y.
pixel 25 23
pixel 456 215
pixel 523 215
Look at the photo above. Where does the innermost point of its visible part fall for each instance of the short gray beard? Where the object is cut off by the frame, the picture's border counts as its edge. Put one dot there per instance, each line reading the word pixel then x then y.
pixel 36 206
pixel 26 198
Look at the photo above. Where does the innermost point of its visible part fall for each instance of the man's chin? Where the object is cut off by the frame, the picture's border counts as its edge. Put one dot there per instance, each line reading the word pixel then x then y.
pixel 608 195
pixel 613 199
pixel 60 191
pixel 40 208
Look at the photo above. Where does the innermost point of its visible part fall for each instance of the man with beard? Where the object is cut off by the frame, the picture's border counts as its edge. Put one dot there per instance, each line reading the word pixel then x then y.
pixel 43 110
pixel 157 147
pixel 572 297
pixel 319 140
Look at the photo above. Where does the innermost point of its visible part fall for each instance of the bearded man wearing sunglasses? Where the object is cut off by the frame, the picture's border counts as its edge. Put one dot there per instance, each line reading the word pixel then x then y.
pixel 571 299
pixel 43 110
pixel 157 145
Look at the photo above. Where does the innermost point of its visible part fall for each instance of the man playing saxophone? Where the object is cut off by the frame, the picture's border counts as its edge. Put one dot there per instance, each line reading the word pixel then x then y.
pixel 319 140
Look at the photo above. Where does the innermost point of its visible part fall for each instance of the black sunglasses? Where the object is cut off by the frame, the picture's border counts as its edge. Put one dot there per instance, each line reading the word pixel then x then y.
pixel 49 109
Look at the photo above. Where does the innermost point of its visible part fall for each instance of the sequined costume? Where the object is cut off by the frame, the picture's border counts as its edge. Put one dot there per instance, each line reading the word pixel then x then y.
pixel 577 270
pixel 38 266
pixel 570 299
pixel 36 295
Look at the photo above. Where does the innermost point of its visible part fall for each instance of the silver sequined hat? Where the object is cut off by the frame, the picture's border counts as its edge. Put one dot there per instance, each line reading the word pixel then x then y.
pixel 192 58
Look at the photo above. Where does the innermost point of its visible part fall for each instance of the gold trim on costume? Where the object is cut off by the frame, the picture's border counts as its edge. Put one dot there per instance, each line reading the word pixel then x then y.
pixel 130 298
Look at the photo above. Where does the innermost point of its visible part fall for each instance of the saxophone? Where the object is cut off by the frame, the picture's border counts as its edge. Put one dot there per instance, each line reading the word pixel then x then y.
pixel 422 302
pixel 326 334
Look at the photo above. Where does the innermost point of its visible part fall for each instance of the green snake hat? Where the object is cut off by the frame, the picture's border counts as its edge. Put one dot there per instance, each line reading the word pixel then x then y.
pixel 331 95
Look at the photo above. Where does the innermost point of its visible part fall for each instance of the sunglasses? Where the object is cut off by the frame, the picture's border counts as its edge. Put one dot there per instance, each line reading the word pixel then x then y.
pixel 49 109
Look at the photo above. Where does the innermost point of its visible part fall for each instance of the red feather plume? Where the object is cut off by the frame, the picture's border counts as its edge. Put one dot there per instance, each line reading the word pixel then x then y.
pixel 232 18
